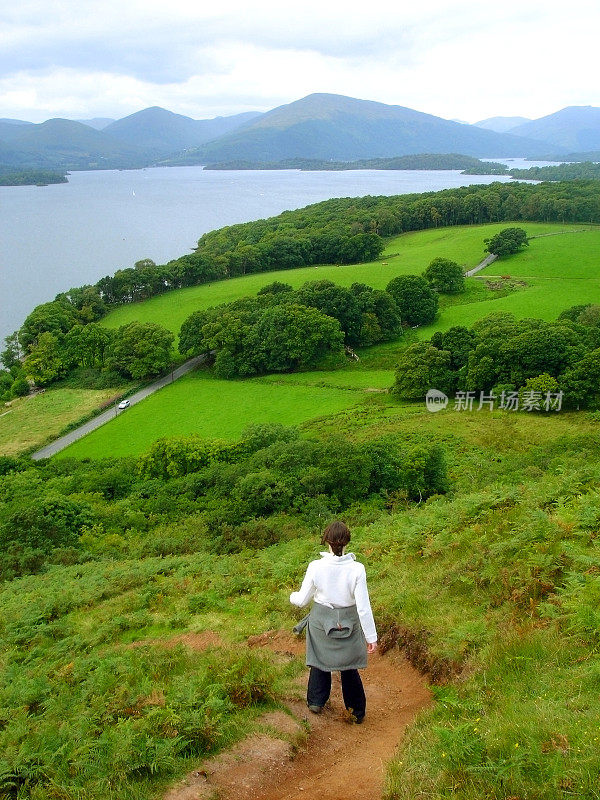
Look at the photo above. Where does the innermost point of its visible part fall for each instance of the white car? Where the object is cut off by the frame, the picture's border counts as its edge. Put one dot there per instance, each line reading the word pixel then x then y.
pixel 124 404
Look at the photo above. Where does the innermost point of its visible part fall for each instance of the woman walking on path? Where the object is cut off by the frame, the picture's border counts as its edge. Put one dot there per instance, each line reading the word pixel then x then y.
pixel 340 629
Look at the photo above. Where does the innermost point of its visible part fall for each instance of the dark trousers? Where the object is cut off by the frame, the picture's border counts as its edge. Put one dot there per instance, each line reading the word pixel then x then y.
pixel 319 689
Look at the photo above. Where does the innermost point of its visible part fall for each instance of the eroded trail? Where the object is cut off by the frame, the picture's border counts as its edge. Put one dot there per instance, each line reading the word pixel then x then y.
pixel 338 760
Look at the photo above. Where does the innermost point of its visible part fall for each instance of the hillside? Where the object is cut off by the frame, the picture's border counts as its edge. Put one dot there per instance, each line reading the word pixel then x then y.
pixel 326 126
pixel 131 142
pixel 501 124
pixel 62 143
pixel 160 132
pixel 144 605
pixel 575 128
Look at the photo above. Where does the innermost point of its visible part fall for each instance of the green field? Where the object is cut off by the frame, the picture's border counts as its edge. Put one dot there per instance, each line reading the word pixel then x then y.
pixel 31 421
pixel 407 254
pixel 216 409
pixel 559 271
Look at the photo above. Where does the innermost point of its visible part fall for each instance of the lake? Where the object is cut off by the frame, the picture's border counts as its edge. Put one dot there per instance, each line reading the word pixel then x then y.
pixel 64 235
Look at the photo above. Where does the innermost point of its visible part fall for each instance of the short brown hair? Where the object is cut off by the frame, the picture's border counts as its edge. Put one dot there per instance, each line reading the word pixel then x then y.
pixel 336 534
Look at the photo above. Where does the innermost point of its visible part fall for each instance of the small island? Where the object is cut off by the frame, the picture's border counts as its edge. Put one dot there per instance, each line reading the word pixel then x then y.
pixel 32 177
pixel 420 161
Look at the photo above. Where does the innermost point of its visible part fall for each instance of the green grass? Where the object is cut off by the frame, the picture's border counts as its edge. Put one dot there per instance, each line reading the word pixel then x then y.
pixel 570 255
pixel 30 422
pixel 407 254
pixel 373 379
pixel 496 583
pixel 212 408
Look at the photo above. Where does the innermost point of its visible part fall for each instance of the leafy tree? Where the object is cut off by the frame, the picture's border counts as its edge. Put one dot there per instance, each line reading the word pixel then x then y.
pixel 422 367
pixel 12 355
pixel 415 300
pixel 335 301
pixel 20 387
pixel 507 242
pixel 581 382
pixel 56 318
pixel 459 341
pixel 445 276
pixel 275 288
pixel 141 350
pixel 46 362
pixel 86 345
pixel 293 336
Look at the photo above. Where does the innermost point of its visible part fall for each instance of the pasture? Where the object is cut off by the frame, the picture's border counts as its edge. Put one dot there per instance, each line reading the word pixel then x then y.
pixel 31 421
pixel 404 255
pixel 215 409
pixel 558 271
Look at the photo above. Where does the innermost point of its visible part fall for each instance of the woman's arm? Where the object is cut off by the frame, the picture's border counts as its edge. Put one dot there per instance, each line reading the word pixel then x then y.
pixel 363 606
pixel 307 590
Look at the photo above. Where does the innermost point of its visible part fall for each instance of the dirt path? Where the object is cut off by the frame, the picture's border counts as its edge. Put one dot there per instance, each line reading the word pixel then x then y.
pixel 337 760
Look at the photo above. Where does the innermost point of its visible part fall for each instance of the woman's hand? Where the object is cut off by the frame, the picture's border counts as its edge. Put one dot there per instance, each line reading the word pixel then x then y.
pixel 371 647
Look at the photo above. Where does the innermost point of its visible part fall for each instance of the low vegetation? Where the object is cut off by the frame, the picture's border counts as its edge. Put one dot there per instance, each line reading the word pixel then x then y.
pixel 478 527
pixel 31 177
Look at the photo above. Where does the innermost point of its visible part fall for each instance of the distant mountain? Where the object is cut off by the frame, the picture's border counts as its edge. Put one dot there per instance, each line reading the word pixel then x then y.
pixel 98 123
pixel 63 143
pixel 15 121
pixel 501 124
pixel 588 155
pixel 160 132
pixel 575 128
pixel 327 126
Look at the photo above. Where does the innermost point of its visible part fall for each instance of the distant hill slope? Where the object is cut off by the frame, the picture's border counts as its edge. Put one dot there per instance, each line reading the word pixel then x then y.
pixel 161 132
pixel 501 124
pixel 575 128
pixel 327 126
pixel 98 123
pixel 63 143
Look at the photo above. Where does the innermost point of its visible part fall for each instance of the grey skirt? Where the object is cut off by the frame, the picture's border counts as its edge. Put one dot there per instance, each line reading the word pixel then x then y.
pixel 334 639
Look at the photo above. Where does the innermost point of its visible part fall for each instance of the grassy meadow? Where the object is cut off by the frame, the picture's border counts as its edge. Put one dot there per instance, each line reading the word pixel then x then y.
pixel 212 408
pixel 30 422
pixel 407 254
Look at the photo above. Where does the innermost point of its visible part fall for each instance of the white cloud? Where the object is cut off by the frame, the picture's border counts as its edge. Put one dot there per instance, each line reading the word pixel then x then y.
pixel 454 58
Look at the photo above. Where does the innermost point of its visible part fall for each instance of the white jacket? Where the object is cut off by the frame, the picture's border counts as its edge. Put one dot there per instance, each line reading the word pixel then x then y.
pixel 338 582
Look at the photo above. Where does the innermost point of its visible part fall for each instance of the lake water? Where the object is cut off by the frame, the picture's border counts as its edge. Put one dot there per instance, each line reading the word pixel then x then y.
pixel 56 237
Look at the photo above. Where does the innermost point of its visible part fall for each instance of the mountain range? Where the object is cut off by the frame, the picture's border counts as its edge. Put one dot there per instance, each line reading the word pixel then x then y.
pixel 319 126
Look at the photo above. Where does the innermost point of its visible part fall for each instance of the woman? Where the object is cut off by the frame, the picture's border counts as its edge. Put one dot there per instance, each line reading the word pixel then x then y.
pixel 340 629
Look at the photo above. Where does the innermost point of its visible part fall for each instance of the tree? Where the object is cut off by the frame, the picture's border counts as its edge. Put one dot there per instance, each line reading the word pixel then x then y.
pixel 507 242
pixel 277 287
pixel 335 301
pixel 86 345
pixel 293 336
pixel 415 300
pixel 46 361
pixel 57 318
pixel 141 350
pixel 422 367
pixel 12 355
pixel 581 382
pixel 445 276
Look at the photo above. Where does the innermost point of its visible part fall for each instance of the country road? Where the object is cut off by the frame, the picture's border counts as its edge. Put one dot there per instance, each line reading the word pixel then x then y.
pixel 64 441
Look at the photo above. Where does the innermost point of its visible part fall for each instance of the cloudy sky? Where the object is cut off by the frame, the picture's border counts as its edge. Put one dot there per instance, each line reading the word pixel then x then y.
pixel 460 59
